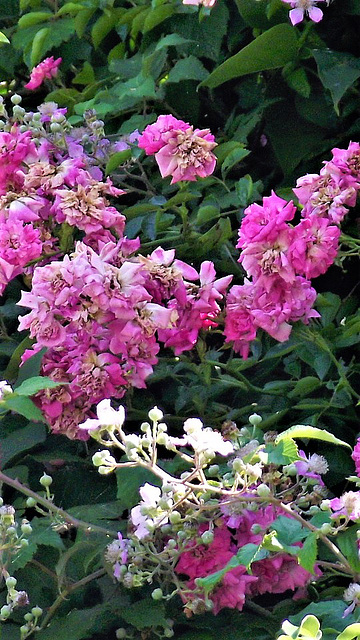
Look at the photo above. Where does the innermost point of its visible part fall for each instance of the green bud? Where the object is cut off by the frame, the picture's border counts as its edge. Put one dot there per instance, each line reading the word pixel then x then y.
pixel 263 491
pixel 171 544
pixel 144 427
pixel 167 488
pixel 207 537
pixel 182 534
pixel 16 99
pixel 238 465
pixel 55 127
pixel 104 471
pixel 98 458
pixel 24 542
pixel 121 633
pixel 175 517
pixel 157 594
pixel 11 582
pixel 26 528
pixel 37 612
pixel 162 439
pixel 11 531
pixel 30 502
pixel 1 502
pixel 313 509
pixel 46 480
pixel 24 631
pixel 255 419
pixel 155 414
pixel 28 617
pixel 213 470
pixel 168 633
pixel 325 505
pixel 290 470
pixel 5 611
pixel 326 528
pixel 256 529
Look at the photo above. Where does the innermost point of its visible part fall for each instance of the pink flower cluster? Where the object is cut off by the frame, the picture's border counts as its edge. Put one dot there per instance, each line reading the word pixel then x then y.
pixel 46 70
pixel 98 315
pixel 356 457
pixel 42 186
pixel 274 574
pixel 180 150
pixel 281 258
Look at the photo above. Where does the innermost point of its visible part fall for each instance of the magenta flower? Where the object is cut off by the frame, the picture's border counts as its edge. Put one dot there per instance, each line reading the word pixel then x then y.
pixel 151 140
pixel 46 70
pixel 313 467
pixel 347 505
pixel 356 456
pixel 300 7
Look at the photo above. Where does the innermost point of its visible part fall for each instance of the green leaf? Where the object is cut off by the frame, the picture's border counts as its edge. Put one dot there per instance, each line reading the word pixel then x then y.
pixel 21 440
pixel 288 530
pixel 74 626
pixel 304 386
pixel 245 556
pixel 172 40
pixel 33 385
pixel 103 26
pixel 189 68
pixel 306 431
pixel 3 38
pixel 348 543
pixel 86 75
pixel 158 15
pixel 129 481
pixel 308 553
pixel 24 406
pixel 351 632
pixel 70 7
pixel 42 534
pixel 37 49
pixel 285 452
pixel 337 71
pixel 145 613
pixel 35 17
pixel 234 158
pixel 272 49
pixel 117 159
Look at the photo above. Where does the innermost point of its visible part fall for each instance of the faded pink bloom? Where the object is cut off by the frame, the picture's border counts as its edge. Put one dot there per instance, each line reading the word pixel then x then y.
pixel 356 456
pixel 347 505
pixel 300 7
pixel 151 140
pixel 46 70
pixel 315 246
pixel 204 3
pixel 186 154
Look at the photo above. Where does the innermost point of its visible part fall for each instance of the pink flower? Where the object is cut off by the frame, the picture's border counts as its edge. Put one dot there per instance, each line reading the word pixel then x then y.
pixel 186 154
pixel 347 505
pixel 315 246
pixel 151 140
pixel 313 467
pixel 356 456
pixel 204 3
pixel 46 70
pixel 300 7
pixel 262 222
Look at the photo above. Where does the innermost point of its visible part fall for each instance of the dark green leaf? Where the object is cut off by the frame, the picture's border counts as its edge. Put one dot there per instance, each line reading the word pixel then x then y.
pixel 21 440
pixel 337 71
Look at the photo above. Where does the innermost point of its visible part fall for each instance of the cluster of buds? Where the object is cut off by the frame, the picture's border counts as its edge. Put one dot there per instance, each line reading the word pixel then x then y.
pixel 230 489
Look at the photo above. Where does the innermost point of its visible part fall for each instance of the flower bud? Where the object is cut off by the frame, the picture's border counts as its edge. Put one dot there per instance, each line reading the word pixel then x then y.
pixel 157 594
pixel 238 465
pixel 30 502
pixel 263 491
pixel 16 99
pixel 213 470
pixel 144 427
pixel 121 633
pixel 162 439
pixel 168 633
pixel 37 612
pixel 46 480
pixel 175 517
pixel 256 529
pixel 207 537
pixel 326 528
pixel 325 505
pixel 28 617
pixel 55 127
pixel 290 470
pixel 11 531
pixel 155 414
pixel 26 528
pixel 11 582
pixel 5 611
pixel 255 419
pixel 24 542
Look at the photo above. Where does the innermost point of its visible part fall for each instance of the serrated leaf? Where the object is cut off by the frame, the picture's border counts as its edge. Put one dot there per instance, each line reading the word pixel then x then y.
pixel 145 613
pixel 233 159
pixel 272 49
pixel 33 385
pixel 189 68
pixel 308 553
pixel 172 40
pixel 348 543
pixel 21 440
pixel 74 626
pixel 337 71
pixel 25 407
pixel 306 431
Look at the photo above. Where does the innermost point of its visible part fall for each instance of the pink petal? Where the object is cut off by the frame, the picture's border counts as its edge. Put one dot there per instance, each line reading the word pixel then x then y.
pixel 315 14
pixel 296 16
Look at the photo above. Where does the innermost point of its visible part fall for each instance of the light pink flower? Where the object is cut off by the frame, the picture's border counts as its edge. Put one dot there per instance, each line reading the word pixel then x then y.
pixel 300 7
pixel 186 154
pixel 204 3
pixel 46 70
pixel 356 456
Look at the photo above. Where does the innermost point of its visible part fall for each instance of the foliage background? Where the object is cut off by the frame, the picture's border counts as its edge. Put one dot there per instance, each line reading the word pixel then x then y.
pixel 278 99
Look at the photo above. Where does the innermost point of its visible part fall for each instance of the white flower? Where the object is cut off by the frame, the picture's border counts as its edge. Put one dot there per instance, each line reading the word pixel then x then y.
pixel 203 440
pixel 143 521
pixel 5 389
pixel 106 417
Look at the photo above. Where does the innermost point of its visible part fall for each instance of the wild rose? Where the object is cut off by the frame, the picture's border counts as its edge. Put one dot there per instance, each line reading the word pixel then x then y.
pixel 151 139
pixel 186 154
pixel 300 7
pixel 46 70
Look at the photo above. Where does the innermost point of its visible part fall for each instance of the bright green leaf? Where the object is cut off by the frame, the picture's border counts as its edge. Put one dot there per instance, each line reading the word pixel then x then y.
pixel 37 49
pixel 306 431
pixel 33 385
pixel 272 49
pixel 308 553
pixel 117 159
pixel 24 406
pixel 35 17
pixel 351 632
